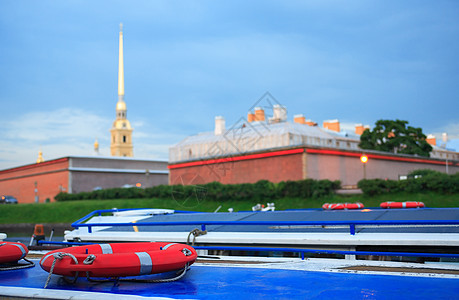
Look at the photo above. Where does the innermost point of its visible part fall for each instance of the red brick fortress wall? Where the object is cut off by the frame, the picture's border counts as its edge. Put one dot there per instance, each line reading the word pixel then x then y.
pixel 43 180
pixel 302 163
pixel 347 167
pixel 274 166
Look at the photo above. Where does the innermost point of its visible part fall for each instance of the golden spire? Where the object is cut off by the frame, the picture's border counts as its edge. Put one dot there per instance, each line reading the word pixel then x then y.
pixel 121 132
pixel 40 158
pixel 121 65
pixel 121 105
pixel 96 146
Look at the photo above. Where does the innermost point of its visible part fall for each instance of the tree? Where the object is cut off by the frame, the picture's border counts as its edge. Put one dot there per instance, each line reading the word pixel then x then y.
pixel 397 137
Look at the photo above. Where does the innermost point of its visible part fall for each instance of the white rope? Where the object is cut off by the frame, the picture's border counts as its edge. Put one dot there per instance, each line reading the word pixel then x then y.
pixel 195 232
pixel 58 256
pixel 181 273
pixel 18 266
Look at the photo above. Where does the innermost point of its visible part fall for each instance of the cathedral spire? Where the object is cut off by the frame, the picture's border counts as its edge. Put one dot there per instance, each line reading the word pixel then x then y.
pixel 121 132
pixel 121 66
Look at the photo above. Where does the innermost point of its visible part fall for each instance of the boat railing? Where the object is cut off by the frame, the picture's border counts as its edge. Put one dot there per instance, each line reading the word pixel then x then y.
pixel 323 224
pixel 301 251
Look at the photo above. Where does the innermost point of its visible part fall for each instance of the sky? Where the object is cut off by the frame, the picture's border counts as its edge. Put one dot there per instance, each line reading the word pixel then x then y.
pixel 186 62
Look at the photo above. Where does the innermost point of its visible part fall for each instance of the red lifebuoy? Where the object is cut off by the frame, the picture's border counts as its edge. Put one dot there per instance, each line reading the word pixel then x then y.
pixel 12 252
pixel 120 259
pixel 407 204
pixel 338 206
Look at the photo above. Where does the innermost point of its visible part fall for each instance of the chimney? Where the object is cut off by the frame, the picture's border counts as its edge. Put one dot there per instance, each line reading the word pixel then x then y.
pixel 431 140
pixel 219 125
pixel 259 114
pixel 359 129
pixel 444 137
pixel 279 113
pixel 250 117
pixel 332 125
pixel 300 119
pixel 310 122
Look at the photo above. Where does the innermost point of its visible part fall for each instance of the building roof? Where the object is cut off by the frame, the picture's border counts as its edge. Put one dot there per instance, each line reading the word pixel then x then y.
pixel 257 130
pixel 94 158
pixel 256 136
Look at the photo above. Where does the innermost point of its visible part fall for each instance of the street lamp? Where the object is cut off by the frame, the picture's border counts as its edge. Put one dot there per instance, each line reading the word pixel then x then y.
pixel 364 160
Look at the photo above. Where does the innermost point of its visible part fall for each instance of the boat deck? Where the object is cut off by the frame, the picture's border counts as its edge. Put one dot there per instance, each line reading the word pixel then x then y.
pixel 269 278
pixel 291 228
pixel 303 215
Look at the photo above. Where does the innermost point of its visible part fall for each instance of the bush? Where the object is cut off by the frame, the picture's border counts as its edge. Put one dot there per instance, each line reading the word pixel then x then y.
pixel 324 188
pixel 373 187
pixel 423 172
pixel 370 187
pixel 64 197
pixel 262 191
pixel 427 180
pixel 214 190
pixel 308 188
pixel 289 189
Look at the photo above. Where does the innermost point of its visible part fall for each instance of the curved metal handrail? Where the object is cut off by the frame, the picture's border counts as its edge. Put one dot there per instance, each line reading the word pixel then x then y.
pixel 203 224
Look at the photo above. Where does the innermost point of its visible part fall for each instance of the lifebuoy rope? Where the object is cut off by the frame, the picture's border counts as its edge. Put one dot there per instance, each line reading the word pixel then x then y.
pixel 180 274
pixel 195 232
pixel 18 266
pixel 10 266
pixel 58 256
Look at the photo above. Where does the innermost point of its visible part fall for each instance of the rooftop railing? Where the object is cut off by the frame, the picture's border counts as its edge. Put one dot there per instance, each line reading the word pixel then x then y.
pixel 323 224
pixel 300 251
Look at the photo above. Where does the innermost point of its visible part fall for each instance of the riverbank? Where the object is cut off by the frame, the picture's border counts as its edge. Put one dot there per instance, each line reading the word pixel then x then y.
pixel 70 211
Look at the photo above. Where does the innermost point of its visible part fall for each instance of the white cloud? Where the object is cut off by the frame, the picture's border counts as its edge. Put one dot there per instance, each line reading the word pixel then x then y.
pixel 64 123
pixel 151 151
pixel 58 133
pixel 69 132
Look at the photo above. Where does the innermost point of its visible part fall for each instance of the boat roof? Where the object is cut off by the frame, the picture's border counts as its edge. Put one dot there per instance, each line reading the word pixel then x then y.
pixel 408 227
pixel 300 215
pixel 253 278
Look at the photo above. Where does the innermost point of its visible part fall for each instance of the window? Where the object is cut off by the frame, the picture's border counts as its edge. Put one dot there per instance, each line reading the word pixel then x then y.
pixel 124 139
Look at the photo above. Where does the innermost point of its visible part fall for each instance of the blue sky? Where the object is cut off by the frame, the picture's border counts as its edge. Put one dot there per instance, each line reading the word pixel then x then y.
pixel 189 61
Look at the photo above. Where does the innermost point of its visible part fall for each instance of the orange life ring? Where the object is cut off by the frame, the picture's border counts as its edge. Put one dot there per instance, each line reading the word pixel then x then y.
pixel 119 259
pixel 338 206
pixel 407 204
pixel 12 252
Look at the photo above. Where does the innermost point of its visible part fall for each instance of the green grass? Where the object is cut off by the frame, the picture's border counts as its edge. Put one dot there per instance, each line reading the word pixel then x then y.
pixel 67 212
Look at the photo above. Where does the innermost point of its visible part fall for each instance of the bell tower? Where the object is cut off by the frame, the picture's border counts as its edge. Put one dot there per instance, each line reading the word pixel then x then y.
pixel 121 132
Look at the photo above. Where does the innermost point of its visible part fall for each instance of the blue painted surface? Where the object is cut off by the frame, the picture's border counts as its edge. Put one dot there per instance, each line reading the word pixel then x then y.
pixel 270 221
pixel 208 282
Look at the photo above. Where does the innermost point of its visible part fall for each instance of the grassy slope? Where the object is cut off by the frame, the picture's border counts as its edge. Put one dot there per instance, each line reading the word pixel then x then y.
pixel 67 212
